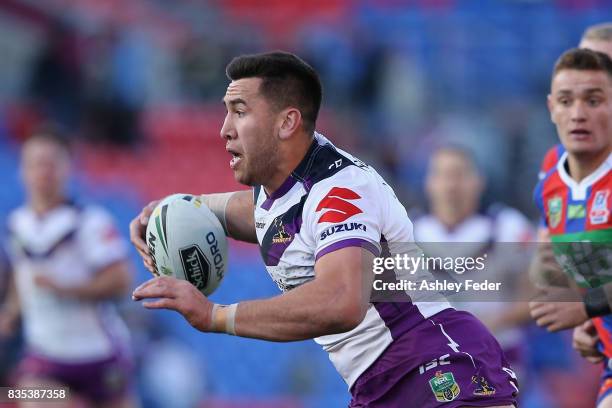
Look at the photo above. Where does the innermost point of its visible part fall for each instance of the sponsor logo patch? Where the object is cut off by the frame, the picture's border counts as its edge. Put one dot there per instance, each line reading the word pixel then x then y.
pixel 555 211
pixel 599 213
pixel 349 226
pixel 575 211
pixel 195 265
pixel 444 386
pixel 337 206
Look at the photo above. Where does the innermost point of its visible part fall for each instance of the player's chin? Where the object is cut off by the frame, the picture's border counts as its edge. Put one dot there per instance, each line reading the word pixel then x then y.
pixel 243 177
pixel 583 147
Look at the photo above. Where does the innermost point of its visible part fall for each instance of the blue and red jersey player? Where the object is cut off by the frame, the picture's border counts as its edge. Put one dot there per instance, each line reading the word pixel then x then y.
pixel 580 212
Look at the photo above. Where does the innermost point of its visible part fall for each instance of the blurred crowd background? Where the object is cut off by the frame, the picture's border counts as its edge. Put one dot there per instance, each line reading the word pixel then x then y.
pixel 137 84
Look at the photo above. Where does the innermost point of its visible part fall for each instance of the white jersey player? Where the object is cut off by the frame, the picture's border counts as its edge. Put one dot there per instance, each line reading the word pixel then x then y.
pixel 68 265
pixel 320 217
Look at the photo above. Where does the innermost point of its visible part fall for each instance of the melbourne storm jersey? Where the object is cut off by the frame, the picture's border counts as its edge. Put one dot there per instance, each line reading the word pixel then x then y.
pixel 577 216
pixel 68 244
pixel 332 201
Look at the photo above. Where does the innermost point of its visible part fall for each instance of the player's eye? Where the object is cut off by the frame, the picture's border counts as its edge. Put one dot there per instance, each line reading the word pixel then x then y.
pixel 240 114
pixel 564 101
pixel 594 101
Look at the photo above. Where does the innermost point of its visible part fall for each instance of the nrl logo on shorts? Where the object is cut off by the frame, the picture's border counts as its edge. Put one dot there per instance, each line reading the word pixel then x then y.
pixel 555 211
pixel 444 386
pixel 599 213
pixel 484 389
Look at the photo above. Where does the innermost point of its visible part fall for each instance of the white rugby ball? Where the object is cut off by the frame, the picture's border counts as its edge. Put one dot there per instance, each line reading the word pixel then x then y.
pixel 187 241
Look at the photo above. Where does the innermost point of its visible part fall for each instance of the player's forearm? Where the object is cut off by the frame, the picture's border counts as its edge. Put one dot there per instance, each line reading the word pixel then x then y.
pixel 308 311
pixel 546 273
pixel 112 282
pixel 235 212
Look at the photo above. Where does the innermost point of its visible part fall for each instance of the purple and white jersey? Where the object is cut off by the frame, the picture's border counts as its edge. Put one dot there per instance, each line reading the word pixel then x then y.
pixel 333 200
pixel 69 244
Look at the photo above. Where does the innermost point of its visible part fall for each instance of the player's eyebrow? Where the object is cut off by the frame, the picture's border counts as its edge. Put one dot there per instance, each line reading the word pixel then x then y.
pixel 233 102
pixel 587 91
pixel 593 90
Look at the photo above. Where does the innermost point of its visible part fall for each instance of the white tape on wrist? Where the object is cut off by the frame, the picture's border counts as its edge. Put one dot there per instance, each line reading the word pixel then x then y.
pixel 218 203
pixel 229 324
pixel 230 320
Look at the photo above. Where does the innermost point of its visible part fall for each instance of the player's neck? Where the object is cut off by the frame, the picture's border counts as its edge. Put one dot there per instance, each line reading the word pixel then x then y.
pixel 292 153
pixel 451 220
pixel 582 166
pixel 42 205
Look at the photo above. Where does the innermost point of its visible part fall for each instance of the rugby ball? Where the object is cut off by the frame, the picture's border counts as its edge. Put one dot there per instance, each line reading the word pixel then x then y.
pixel 187 241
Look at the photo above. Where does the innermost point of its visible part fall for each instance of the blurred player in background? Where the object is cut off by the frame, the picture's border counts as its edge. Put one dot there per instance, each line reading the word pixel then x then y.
pixel 574 200
pixel 68 266
pixel 454 188
pixel 320 216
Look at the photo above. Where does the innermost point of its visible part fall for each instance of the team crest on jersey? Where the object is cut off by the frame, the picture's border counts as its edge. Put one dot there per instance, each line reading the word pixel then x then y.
pixel 281 237
pixel 444 386
pixel 599 213
pixel 555 211
pixel 339 209
pixel 484 389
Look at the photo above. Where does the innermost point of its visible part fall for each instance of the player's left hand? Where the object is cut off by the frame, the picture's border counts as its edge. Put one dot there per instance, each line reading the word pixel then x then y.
pixel 558 309
pixel 180 296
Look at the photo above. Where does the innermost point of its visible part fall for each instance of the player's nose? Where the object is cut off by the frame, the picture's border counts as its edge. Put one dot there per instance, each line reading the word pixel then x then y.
pixel 227 131
pixel 578 112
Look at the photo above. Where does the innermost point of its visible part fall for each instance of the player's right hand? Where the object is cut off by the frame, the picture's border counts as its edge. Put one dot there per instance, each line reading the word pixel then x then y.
pixel 585 341
pixel 138 229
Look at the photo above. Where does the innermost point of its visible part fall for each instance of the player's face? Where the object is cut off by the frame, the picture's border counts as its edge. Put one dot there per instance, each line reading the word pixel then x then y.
pixel 580 104
pixel 453 183
pixel 597 45
pixel 45 168
pixel 249 130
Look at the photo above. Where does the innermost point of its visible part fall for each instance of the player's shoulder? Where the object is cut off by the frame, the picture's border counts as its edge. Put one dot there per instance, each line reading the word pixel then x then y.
pixel 550 160
pixel 327 165
pixel 510 224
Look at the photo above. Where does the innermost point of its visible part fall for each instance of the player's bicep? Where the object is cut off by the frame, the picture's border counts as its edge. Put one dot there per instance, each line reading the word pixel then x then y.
pixel 239 216
pixel 347 274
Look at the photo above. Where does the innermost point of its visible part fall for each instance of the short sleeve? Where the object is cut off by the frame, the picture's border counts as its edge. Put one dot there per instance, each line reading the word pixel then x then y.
pixel 345 211
pixel 101 242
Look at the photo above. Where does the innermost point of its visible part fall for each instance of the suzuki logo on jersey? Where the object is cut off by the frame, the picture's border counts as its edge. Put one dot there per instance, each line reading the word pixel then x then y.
pixel 599 213
pixel 342 227
pixel 337 206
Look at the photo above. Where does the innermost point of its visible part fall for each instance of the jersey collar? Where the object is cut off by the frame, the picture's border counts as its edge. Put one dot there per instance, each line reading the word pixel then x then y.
pixel 299 174
pixel 579 189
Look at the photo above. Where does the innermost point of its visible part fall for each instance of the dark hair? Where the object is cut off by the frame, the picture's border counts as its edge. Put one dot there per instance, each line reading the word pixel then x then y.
pixel 51 134
pixel 583 59
pixel 286 81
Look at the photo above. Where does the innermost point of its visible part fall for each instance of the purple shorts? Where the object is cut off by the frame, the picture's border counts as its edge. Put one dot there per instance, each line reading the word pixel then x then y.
pixel 449 360
pixel 101 381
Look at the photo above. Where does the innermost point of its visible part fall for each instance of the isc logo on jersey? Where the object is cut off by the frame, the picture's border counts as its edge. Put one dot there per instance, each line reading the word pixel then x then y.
pixel 338 208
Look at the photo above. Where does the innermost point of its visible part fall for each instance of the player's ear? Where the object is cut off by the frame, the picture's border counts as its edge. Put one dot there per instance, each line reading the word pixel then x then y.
pixel 291 120
pixel 549 103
